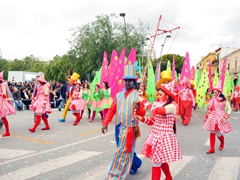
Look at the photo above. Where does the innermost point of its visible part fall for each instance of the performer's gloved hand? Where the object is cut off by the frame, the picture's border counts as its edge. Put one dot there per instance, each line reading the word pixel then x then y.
pixel 4 95
pixel 206 116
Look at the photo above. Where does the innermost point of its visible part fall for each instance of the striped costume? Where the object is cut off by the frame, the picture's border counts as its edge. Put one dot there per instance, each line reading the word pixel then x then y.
pixel 123 107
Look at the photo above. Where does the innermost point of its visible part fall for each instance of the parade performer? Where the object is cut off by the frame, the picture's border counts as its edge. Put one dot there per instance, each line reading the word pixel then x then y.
pixel 217 120
pixel 187 101
pixel 96 104
pixel 87 98
pixel 41 104
pixel 77 104
pixel 235 98
pixel 125 159
pixel 107 99
pixel 6 105
pixel 71 82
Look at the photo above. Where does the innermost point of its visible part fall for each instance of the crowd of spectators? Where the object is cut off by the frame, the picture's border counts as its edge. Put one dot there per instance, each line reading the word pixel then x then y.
pixel 22 94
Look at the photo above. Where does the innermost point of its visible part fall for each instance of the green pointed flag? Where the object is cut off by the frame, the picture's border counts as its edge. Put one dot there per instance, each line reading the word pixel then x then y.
pixel 169 66
pixel 197 78
pixel 95 81
pixel 226 89
pixel 151 83
pixel 238 82
pixel 202 88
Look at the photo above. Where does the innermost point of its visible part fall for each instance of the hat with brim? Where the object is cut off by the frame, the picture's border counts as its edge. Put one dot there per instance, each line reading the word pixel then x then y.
pixel 165 90
pixel 165 76
pixel 74 77
pixel 130 72
pixel 78 82
pixel 41 79
pixel 218 87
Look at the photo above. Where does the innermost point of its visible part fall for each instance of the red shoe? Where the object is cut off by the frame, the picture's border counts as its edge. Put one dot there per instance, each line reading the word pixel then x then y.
pixel 46 128
pixel 210 152
pixel 31 130
pixel 6 134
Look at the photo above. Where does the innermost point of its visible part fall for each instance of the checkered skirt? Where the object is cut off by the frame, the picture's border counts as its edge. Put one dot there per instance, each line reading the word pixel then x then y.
pixel 161 144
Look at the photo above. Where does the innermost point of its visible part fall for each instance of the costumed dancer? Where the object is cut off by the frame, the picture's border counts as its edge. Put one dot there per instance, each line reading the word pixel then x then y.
pixel 125 159
pixel 71 82
pixel 161 145
pixel 41 104
pixel 77 104
pixel 6 105
pixel 107 99
pixel 187 101
pixel 192 87
pixel 87 98
pixel 235 98
pixel 217 120
pixel 96 104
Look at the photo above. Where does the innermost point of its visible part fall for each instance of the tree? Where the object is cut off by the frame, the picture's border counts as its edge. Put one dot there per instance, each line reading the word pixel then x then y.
pixel 90 41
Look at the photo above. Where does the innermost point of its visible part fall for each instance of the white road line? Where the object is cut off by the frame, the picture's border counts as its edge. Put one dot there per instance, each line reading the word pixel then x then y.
pixel 54 149
pixel 175 167
pixel 35 170
pixel 225 168
pixel 10 153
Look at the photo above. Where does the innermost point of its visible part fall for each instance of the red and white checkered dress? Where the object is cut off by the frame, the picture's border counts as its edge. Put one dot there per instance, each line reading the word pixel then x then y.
pixel 77 103
pixel 5 107
pixel 161 145
pixel 42 103
pixel 216 116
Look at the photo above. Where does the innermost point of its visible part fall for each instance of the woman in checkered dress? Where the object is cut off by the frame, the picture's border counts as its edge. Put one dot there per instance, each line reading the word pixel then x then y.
pixel 41 104
pixel 6 107
pixel 161 145
pixel 217 120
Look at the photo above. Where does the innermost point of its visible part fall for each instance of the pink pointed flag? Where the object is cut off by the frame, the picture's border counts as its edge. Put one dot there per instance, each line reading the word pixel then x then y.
pixel 224 68
pixel 119 84
pixel 185 73
pixel 173 66
pixel 112 65
pixel 210 75
pixel 157 75
pixel 104 75
pixel 193 72
pixel 117 74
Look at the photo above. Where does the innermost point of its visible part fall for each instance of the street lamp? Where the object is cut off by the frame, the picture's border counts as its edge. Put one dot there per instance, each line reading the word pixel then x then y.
pixel 168 36
pixel 123 15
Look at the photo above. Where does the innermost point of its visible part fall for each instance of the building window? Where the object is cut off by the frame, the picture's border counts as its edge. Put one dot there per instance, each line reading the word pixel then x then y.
pixel 236 64
pixel 228 66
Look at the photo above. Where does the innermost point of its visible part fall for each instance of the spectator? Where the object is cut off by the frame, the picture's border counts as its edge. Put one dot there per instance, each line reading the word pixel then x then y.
pixel 17 98
pixel 26 97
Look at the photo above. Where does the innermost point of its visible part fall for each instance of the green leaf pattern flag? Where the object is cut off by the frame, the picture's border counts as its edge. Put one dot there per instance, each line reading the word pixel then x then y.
pixel 215 79
pixel 197 77
pixel 238 82
pixel 169 66
pixel 95 81
pixel 202 88
pixel 151 83
pixel 226 89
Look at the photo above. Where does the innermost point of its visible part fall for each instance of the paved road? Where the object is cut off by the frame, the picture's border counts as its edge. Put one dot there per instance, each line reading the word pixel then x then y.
pixel 83 152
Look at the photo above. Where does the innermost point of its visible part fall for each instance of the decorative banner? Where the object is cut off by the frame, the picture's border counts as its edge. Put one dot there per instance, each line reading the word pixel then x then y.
pixel 197 78
pixel 192 73
pixel 151 83
pixel 104 75
pixel 157 75
pixel 238 82
pixel 202 89
pixel 215 79
pixel 173 67
pixel 168 66
pixel 118 85
pixel 226 86
pixel 223 72
pixel 118 68
pixel 112 65
pixel 95 81
pixel 139 72
pixel 185 73
pixel 210 75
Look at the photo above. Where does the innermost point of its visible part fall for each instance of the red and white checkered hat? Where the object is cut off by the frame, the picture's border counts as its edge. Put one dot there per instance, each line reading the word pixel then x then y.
pixel 168 88
pixel 1 76
pixel 218 87
pixel 42 78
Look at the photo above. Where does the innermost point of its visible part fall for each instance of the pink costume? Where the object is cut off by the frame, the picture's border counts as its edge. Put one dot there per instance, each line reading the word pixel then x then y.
pixel 161 145
pixel 187 101
pixel 235 99
pixel 77 103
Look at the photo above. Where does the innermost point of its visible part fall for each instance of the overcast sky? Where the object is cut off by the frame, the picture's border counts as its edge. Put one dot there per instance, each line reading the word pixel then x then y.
pixel 41 28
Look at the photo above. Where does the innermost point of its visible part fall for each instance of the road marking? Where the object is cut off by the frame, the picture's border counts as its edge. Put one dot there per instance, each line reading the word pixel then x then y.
pixel 57 148
pixel 10 153
pixel 90 132
pixel 225 168
pixel 27 138
pixel 49 165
